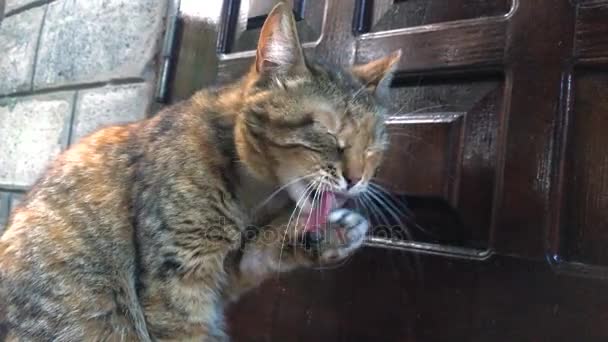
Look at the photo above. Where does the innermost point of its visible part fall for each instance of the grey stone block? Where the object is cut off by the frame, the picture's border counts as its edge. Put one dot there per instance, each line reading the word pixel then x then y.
pixel 98 40
pixel 18 39
pixel 12 5
pixel 96 108
pixel 33 130
pixel 8 202
pixel 4 209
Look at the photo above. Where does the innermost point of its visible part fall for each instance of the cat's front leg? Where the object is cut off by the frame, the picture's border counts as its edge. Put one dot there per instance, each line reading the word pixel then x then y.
pixel 281 248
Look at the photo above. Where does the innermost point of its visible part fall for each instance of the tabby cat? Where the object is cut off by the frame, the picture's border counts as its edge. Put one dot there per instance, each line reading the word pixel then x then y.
pixel 146 231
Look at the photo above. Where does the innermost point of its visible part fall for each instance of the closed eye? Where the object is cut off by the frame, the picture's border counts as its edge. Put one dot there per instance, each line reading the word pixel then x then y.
pixel 339 147
pixel 299 145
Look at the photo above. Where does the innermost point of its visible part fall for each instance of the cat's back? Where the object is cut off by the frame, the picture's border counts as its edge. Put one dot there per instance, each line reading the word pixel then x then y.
pixel 73 228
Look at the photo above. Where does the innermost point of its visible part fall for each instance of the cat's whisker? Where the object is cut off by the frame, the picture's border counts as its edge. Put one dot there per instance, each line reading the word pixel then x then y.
pixel 328 187
pixel 379 181
pixel 403 134
pixel 370 210
pixel 300 203
pixel 297 208
pixel 395 201
pixel 382 218
pixel 313 203
pixel 320 184
pixel 417 261
pixel 295 235
pixel 360 205
pixel 398 111
pixel 370 207
pixel 378 204
pixel 359 91
pixel 283 187
pixel 353 98
pixel 392 210
pixel 304 196
pixel 404 210
pixel 356 202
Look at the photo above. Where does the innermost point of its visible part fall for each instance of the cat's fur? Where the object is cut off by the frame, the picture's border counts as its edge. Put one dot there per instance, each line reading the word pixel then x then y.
pixel 146 231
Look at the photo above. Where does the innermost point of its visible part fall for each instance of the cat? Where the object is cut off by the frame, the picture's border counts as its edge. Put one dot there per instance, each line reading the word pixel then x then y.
pixel 146 231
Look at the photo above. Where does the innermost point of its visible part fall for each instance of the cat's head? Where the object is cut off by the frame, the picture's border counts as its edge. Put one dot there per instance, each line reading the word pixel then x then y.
pixel 309 126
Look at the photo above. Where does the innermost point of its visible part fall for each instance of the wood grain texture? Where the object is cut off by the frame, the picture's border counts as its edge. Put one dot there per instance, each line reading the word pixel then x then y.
pixel 585 215
pixel 464 46
pixel 536 58
pixel 383 15
pixel 591 40
pixel 501 299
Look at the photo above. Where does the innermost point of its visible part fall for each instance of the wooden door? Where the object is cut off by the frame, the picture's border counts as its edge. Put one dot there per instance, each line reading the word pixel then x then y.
pixel 499 108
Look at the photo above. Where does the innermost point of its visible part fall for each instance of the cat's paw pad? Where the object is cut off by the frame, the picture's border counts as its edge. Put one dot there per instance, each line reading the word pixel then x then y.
pixel 347 230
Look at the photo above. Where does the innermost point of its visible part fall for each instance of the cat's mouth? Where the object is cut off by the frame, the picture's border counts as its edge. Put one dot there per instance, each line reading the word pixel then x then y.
pixel 314 206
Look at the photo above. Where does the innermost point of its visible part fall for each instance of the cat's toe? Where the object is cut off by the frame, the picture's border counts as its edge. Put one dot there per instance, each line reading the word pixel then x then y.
pixel 346 233
pixel 356 234
pixel 352 225
pixel 341 216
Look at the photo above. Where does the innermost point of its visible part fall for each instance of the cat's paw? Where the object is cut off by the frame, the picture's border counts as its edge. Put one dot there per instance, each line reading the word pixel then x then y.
pixel 345 233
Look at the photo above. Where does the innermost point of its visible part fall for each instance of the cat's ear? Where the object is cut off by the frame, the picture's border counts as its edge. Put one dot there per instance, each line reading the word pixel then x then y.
pixel 279 49
pixel 378 71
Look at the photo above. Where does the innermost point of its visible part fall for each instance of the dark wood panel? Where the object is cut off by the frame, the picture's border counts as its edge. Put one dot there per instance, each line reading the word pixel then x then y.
pixel 471 46
pixel 592 31
pixel 340 305
pixel 536 56
pixel 383 15
pixel 520 300
pixel 585 211
pixel 429 142
pixel 499 299
pixel 588 3
pixel 447 155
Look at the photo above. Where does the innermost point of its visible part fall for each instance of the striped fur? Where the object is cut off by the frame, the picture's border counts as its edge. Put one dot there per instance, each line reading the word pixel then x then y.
pixel 147 231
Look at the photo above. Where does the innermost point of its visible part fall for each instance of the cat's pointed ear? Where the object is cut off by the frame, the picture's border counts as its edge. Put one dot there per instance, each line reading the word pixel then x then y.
pixel 377 71
pixel 279 49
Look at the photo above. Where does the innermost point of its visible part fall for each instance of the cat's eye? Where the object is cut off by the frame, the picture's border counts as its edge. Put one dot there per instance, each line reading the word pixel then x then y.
pixel 340 148
pixel 304 146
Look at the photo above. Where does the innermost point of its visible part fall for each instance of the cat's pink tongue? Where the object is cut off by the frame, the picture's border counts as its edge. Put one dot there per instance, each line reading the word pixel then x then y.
pixel 319 213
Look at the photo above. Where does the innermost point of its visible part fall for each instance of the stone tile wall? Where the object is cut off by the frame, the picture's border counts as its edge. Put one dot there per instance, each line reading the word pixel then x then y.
pixel 68 67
